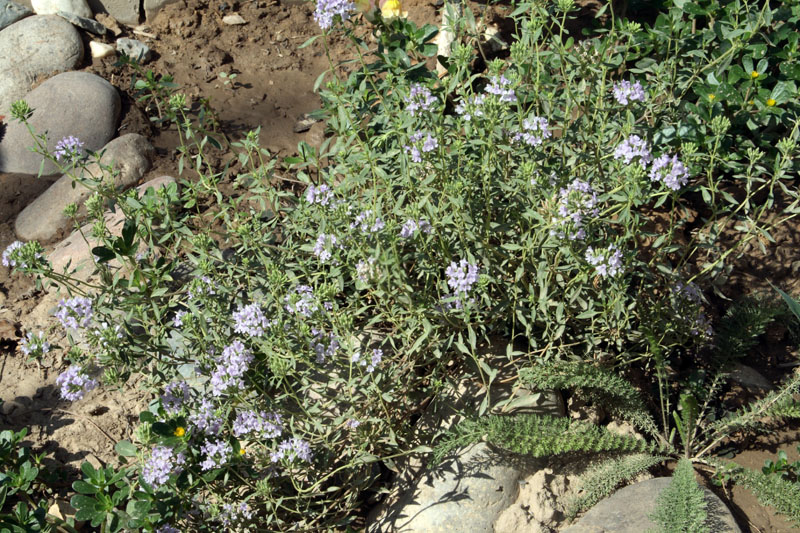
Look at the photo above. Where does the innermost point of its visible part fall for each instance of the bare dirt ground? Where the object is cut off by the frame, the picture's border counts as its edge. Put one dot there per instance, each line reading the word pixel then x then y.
pixel 272 88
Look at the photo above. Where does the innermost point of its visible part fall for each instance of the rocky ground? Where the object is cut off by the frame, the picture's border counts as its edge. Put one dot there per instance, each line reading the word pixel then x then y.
pixel 63 62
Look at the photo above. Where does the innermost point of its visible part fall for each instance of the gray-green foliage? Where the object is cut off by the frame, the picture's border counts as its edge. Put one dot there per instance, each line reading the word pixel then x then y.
pixel 601 480
pixel 539 436
pixel 681 506
pixel 772 490
pixel 601 385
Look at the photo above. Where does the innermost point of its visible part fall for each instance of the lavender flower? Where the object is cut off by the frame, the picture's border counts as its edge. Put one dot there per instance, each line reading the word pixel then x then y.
pixel 75 383
pixel 319 347
pixel 576 201
pixel 411 227
pixel 626 92
pixel 327 10
pixel 323 245
pixel 176 394
pixel 231 366
pixel 261 424
pixel 363 220
pixel 292 449
pixel 419 99
pixel 670 171
pixel 216 452
pixel 606 262
pixel 471 106
pixel 166 528
pixel 75 312
pixel 352 423
pixel 200 287
pixel 534 131
pixel 461 276
pixel 321 195
pixel 205 418
pixel 35 345
pixel 234 513
pixel 632 147
pixel 429 144
pixel 501 86
pixel 250 320
pixel 302 302
pixel 178 320
pixel 375 360
pixel 366 270
pixel 163 463
pixel 8 261
pixel 69 149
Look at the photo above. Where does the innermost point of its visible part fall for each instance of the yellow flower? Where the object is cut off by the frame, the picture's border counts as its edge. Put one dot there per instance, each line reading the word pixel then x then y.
pixel 179 431
pixel 754 74
pixel 393 9
pixel 771 102
pixel 241 451
pixel 711 97
pixel 751 102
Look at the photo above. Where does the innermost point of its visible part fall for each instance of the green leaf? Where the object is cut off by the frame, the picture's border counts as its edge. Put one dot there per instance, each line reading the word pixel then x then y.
pixel 103 254
pixel 84 488
pixel 794 305
pixel 126 448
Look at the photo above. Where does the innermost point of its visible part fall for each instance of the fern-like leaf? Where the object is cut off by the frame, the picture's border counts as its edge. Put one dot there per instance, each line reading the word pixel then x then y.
pixel 614 392
pixel 781 494
pixel 681 507
pixel 603 479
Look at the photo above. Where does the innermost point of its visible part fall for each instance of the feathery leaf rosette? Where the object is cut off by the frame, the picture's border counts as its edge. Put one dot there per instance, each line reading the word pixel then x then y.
pixel 681 506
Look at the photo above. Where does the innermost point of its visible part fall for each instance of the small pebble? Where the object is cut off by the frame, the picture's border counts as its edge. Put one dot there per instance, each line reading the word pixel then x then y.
pixel 101 50
pixel 233 20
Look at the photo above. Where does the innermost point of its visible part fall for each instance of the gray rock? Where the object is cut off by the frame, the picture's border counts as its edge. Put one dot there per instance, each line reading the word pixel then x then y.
pixel 33 48
pixel 125 11
pixel 134 49
pixel 131 155
pixel 628 511
pixel 467 493
pixel 152 7
pixel 76 104
pixel 52 7
pixel 11 12
pixel 74 254
pixel 749 378
pixel 83 22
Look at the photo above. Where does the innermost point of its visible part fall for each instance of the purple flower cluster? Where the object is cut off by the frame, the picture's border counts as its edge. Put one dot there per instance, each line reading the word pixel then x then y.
pixel 35 344
pixel 233 514
pixel 175 396
pixel 261 424
pixel 69 149
pixel 606 262
pixel 576 201
pixel 75 312
pixel 75 383
pixel 632 147
pixel 366 270
pixel 319 347
pixel 291 449
pixel 419 99
pixel 302 302
pixel 323 245
pixel 166 528
pixel 216 452
pixel 200 287
pixel 670 171
pixel 372 364
pixel 231 366
pixel 327 10
pixel 626 92
pixel 250 320
pixel 428 145
pixel 163 463
pixel 501 86
pixel 471 106
pixel 411 227
pixel 534 131
pixel 461 276
pixel 321 195
pixel 352 423
pixel 205 418
pixel 178 320
pixel 7 259
pixel 367 223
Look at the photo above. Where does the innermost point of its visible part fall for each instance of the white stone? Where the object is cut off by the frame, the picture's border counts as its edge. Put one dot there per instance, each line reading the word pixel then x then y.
pixel 233 20
pixel 101 50
pixel 51 7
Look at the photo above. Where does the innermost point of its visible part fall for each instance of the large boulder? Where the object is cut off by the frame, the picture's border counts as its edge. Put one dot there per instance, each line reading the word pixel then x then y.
pixel 628 511
pixel 131 155
pixel 11 12
pixel 124 11
pixel 76 104
pixel 33 48
pixel 52 7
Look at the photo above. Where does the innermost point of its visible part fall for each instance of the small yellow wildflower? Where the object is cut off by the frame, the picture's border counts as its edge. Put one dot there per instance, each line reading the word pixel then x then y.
pixel 771 102
pixel 393 9
pixel 754 74
pixel 712 97
pixel 751 102
pixel 179 431
pixel 241 451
